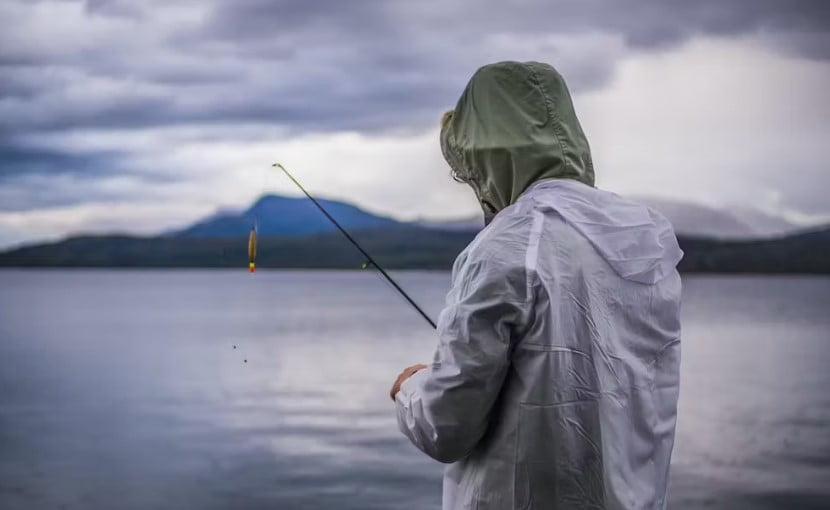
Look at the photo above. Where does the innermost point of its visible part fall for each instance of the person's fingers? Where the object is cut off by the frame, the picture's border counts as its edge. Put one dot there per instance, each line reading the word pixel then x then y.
pixel 397 385
pixel 403 376
pixel 414 368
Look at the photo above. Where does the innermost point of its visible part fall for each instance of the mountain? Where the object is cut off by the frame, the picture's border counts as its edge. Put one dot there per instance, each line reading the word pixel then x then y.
pixel 697 220
pixel 689 219
pixel 295 234
pixel 283 216
pixel 765 225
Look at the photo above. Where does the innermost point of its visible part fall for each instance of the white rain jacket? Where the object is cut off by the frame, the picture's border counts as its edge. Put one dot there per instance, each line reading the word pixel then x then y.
pixel 555 381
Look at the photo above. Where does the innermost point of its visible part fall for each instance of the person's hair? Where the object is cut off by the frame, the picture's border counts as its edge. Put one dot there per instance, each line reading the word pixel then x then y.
pixel 446 118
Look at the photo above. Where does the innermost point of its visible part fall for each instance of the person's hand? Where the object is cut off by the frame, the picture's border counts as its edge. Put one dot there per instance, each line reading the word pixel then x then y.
pixel 406 374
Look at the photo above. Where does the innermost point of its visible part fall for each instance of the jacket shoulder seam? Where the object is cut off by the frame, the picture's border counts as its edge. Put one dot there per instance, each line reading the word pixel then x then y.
pixel 532 252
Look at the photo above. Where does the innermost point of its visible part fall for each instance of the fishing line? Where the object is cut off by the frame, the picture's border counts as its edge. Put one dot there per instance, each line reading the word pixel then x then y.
pixel 370 261
pixel 252 239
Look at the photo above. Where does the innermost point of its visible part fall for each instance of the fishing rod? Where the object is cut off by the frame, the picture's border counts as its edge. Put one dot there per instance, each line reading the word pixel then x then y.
pixel 370 261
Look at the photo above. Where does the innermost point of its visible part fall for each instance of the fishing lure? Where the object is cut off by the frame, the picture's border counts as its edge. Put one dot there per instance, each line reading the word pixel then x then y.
pixel 252 250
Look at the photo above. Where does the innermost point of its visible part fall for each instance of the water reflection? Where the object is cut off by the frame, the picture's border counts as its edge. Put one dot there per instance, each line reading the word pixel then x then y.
pixel 124 387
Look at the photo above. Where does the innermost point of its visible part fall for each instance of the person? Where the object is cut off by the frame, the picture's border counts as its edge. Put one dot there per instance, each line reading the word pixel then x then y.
pixel 555 381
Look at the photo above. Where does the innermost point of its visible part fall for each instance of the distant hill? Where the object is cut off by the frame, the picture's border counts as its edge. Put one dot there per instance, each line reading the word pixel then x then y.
pixel 294 234
pixel 399 246
pixel 283 216
pixel 804 252
pixel 689 219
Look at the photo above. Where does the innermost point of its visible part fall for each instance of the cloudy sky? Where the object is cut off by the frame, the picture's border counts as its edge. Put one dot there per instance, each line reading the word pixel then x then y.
pixel 133 116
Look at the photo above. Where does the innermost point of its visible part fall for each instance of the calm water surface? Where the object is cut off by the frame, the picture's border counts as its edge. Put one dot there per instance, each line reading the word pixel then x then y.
pixel 122 389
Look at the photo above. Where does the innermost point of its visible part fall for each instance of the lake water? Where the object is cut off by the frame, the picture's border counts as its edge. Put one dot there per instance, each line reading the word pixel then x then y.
pixel 122 389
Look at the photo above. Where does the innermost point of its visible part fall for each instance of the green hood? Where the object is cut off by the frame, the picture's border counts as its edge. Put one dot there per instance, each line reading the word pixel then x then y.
pixel 514 125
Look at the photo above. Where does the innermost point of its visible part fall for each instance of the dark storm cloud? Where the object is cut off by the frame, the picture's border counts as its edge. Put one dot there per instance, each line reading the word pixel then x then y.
pixel 27 175
pixel 80 189
pixel 643 23
pixel 21 161
pixel 34 177
pixel 265 19
pixel 320 65
pixel 114 8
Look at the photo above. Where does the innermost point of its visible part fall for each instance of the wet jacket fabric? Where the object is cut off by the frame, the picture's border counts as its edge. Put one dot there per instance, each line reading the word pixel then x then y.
pixel 554 384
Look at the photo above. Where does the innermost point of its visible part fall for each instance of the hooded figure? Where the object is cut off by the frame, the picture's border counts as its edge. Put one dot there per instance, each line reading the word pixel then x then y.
pixel 555 381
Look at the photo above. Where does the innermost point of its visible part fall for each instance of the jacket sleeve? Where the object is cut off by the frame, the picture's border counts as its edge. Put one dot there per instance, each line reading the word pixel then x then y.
pixel 444 410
